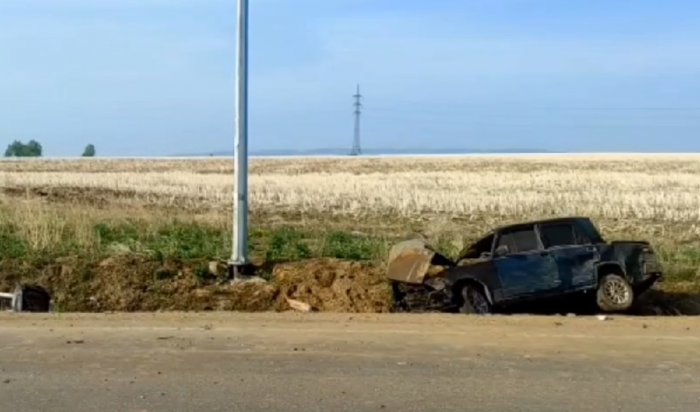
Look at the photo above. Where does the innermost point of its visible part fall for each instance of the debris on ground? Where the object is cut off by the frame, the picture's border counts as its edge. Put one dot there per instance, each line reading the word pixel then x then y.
pixel 218 269
pixel 26 298
pixel 251 279
pixel 298 305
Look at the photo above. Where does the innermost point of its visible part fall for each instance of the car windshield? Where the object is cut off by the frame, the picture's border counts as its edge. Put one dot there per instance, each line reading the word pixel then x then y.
pixel 475 250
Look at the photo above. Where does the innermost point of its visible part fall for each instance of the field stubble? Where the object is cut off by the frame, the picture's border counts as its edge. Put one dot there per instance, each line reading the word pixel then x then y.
pixel 655 189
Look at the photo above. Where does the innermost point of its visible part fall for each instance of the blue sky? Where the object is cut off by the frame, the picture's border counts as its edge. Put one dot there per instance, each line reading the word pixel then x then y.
pixel 156 77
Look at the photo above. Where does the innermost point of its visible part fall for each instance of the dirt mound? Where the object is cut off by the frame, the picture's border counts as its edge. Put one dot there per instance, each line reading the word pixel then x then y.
pixel 121 283
pixel 330 285
pixel 137 285
pixel 129 283
pixel 246 297
pixel 133 283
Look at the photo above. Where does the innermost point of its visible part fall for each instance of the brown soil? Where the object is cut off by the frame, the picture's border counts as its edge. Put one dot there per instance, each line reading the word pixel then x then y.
pixel 330 285
pixel 102 198
pixel 133 283
pixel 672 301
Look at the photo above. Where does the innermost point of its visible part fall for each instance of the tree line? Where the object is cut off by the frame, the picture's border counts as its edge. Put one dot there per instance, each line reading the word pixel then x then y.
pixel 33 149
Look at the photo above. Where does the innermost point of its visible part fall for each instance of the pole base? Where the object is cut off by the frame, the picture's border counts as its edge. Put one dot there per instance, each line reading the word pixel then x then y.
pixel 240 271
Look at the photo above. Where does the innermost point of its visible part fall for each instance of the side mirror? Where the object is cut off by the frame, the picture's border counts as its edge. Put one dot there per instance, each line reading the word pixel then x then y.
pixel 502 250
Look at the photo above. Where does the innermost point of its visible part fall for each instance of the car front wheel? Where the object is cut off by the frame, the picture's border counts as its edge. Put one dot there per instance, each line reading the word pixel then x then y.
pixel 474 301
pixel 614 293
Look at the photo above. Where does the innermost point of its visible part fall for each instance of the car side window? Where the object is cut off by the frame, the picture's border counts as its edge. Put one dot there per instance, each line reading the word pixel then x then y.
pixel 559 234
pixel 581 238
pixel 520 240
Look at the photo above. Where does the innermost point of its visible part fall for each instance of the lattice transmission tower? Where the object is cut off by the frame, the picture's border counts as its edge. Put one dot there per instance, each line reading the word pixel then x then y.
pixel 356 148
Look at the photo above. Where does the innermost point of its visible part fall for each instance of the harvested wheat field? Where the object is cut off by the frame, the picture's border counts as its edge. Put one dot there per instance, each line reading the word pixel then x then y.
pixel 177 212
pixel 657 189
pixel 612 187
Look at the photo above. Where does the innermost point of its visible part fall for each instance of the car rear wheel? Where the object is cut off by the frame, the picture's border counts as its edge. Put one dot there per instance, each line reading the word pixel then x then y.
pixel 614 293
pixel 474 301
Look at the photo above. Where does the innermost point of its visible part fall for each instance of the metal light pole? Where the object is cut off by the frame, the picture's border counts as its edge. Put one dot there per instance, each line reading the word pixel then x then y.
pixel 239 256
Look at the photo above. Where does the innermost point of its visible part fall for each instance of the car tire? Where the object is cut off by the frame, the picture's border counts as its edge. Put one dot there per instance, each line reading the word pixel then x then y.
pixel 614 293
pixel 474 301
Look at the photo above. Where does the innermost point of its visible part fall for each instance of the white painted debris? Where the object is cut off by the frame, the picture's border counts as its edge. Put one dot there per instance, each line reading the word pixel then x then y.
pixel 251 279
pixel 298 305
pixel 8 301
pixel 26 299
pixel 218 269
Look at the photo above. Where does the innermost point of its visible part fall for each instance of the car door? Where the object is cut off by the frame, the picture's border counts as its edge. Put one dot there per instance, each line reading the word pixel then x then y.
pixel 575 256
pixel 526 269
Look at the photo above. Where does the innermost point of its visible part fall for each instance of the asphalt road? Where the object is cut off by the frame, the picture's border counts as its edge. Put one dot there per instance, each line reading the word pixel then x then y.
pixel 332 362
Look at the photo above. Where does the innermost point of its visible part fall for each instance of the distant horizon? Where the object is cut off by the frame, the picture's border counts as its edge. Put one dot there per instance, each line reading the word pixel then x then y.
pixel 416 151
pixel 363 155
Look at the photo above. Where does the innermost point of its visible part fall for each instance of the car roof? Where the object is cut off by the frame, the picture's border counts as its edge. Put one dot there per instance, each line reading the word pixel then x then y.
pixel 543 221
pixel 529 223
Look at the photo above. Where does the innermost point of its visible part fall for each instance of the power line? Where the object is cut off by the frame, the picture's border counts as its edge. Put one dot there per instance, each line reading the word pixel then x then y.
pixel 356 149
pixel 524 109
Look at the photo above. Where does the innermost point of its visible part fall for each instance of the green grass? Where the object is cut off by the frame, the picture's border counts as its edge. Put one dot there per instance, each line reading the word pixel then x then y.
pixel 342 245
pixel 175 240
pixel 181 240
pixel 12 246
pixel 681 264
pixel 185 241
pixel 287 245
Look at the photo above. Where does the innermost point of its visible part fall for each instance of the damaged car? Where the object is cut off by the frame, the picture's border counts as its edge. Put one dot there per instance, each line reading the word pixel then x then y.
pixel 524 263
